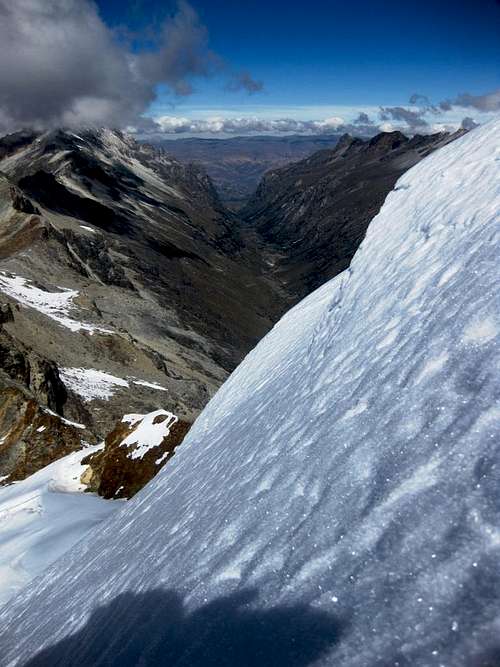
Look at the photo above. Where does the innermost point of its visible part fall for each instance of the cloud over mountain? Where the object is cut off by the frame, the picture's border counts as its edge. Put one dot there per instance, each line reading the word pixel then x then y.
pixel 62 65
pixel 414 119
pixel 486 102
pixel 245 125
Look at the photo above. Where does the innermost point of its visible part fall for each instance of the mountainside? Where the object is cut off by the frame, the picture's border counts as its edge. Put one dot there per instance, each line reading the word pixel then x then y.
pixel 337 502
pixel 237 164
pixel 125 275
pixel 314 213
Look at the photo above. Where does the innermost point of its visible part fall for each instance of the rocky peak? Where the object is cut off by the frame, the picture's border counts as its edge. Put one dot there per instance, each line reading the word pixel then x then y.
pixel 388 140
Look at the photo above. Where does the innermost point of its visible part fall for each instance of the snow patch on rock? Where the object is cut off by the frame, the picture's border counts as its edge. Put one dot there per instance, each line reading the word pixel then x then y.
pixel 150 385
pixel 90 383
pixel 149 431
pixel 56 305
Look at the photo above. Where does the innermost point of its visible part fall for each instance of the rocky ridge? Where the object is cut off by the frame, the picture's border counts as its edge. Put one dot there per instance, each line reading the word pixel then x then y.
pixel 126 275
pixel 312 215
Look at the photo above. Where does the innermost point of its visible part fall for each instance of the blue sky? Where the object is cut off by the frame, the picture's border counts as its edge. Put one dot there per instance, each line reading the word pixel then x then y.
pixel 320 57
pixel 222 67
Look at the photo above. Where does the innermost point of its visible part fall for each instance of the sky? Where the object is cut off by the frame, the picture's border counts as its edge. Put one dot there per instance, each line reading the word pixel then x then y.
pixel 219 67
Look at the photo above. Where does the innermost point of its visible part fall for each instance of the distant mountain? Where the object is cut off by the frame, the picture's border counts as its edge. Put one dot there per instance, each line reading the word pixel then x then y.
pixel 124 274
pixel 237 164
pixel 336 503
pixel 312 215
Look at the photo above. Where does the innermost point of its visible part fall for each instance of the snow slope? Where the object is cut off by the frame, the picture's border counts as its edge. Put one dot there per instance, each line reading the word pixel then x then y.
pixel 337 502
pixel 43 516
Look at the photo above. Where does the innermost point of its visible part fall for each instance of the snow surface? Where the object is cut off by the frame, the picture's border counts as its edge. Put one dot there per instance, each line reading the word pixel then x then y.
pixel 149 431
pixel 336 503
pixel 90 383
pixel 42 517
pixel 63 419
pixel 150 385
pixel 56 305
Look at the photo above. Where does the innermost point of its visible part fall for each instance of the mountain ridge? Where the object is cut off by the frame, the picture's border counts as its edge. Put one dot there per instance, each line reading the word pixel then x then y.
pixel 346 465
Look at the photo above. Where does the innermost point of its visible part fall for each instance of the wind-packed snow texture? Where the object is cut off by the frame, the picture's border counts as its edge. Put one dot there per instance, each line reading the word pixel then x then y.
pixel 337 502
pixel 43 516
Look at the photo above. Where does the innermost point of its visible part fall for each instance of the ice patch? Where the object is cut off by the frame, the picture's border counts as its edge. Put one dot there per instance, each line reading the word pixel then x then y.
pixel 151 385
pixel 448 274
pixel 432 366
pixel 356 410
pixel 91 384
pixel 56 305
pixel 64 420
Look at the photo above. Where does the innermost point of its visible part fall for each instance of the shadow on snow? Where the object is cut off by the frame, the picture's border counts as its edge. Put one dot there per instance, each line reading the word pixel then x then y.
pixel 154 628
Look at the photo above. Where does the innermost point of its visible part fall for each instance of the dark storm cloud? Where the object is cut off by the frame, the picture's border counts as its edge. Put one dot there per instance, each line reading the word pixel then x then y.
pixel 61 65
pixel 486 102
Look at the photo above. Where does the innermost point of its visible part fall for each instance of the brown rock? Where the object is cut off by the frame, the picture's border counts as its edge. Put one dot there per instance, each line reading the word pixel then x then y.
pixel 31 437
pixel 113 473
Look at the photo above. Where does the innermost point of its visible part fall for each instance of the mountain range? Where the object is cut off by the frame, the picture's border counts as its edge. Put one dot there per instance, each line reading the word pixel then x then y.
pixel 130 292
pixel 236 164
pixel 336 502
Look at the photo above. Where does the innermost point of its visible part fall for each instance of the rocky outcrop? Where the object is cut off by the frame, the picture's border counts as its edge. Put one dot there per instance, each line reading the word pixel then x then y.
pixel 33 432
pixel 38 375
pixel 91 256
pixel 166 288
pixel 137 448
pixel 31 436
pixel 21 203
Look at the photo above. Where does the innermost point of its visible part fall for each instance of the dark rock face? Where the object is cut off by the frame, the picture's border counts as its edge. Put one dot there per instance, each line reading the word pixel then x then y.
pixel 6 314
pixel 33 432
pixel 92 258
pixel 114 473
pixel 21 203
pixel 315 213
pixel 22 365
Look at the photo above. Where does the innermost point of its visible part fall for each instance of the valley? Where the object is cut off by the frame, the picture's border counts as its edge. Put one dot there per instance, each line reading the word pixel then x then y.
pixel 130 293
pixel 344 466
